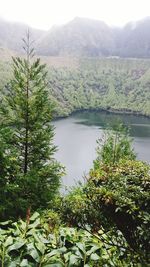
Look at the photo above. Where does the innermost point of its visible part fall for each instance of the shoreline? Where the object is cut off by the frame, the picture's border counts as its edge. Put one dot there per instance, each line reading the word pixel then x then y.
pixel 109 110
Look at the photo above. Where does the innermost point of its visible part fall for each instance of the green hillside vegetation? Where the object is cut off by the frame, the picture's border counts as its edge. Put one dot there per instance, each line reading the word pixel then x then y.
pixel 111 84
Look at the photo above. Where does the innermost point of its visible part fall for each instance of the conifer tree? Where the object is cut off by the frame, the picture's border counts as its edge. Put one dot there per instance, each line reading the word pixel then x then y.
pixel 29 174
pixel 115 145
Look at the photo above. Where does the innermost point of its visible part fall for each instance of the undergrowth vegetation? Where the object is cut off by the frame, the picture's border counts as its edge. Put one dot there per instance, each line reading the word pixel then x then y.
pixel 36 242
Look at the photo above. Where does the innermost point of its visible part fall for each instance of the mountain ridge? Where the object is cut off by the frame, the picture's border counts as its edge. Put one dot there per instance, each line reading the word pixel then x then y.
pixel 82 37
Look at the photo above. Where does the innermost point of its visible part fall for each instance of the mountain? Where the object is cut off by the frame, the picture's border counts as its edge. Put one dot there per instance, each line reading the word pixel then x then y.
pixel 82 37
pixel 11 34
pixel 134 39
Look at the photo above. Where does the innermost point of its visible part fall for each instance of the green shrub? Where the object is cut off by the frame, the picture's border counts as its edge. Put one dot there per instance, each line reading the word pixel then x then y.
pixel 115 199
pixel 31 243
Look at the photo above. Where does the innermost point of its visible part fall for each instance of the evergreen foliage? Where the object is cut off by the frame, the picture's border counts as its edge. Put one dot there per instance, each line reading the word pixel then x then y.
pixel 109 84
pixel 120 85
pixel 29 174
pixel 114 146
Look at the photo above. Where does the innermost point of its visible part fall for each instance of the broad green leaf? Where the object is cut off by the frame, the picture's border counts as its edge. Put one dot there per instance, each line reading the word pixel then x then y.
pixel 23 225
pixel 62 250
pixel 24 263
pixel 6 222
pixel 8 242
pixel 54 265
pixel 13 264
pixel 67 256
pixel 53 253
pixel 35 223
pixel 16 246
pixel 93 249
pixel 105 256
pixel 34 254
pixel 81 247
pixel 73 260
pixel 42 239
pixel 34 216
pixel 32 251
pixel 41 247
pixel 94 257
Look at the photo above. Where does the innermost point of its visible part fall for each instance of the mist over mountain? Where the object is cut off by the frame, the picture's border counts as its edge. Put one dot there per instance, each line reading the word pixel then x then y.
pixel 11 34
pixel 82 37
pixel 134 39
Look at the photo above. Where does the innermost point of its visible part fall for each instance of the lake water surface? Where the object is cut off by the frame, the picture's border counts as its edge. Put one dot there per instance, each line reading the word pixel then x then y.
pixel 76 139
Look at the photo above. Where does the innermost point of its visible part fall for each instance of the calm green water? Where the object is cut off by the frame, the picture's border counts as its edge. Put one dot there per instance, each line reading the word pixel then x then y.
pixel 76 139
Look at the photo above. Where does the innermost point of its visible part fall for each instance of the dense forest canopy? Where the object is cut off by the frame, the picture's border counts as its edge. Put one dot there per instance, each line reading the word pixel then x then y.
pixel 90 83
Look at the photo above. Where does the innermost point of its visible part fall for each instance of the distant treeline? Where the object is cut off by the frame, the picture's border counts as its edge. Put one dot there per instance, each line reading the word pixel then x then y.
pixel 112 84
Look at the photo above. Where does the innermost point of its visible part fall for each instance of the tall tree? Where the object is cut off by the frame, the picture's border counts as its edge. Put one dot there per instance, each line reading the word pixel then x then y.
pixel 32 175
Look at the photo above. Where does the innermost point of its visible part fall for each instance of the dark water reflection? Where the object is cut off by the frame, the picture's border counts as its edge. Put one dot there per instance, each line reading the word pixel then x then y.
pixel 139 125
pixel 76 139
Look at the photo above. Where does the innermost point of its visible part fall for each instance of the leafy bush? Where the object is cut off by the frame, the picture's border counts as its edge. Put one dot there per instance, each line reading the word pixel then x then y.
pixel 121 193
pixel 115 198
pixel 31 243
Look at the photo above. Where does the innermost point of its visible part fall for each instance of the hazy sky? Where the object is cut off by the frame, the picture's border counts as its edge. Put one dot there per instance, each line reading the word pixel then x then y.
pixel 45 13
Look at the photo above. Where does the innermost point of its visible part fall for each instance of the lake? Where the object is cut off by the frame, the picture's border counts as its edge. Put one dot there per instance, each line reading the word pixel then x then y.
pixel 76 138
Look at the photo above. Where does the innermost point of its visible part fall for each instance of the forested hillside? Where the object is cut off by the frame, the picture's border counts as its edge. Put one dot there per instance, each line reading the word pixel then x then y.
pixel 111 84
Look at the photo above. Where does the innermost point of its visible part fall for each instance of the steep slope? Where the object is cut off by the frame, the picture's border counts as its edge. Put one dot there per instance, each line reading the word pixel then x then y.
pixel 86 37
pixel 94 83
pixel 80 37
pixel 134 39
